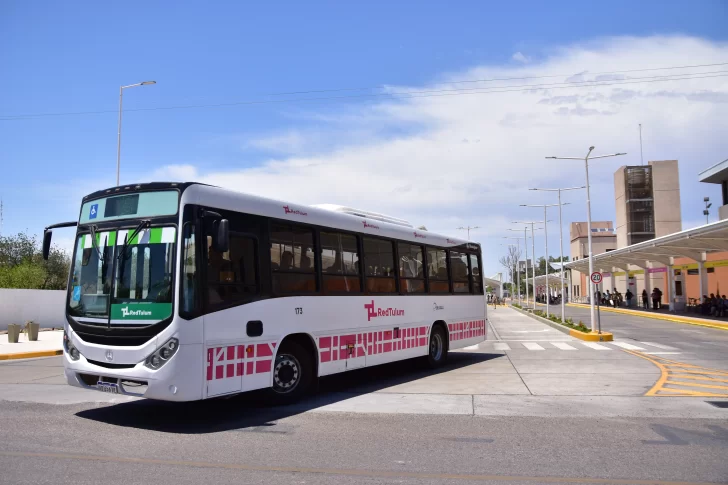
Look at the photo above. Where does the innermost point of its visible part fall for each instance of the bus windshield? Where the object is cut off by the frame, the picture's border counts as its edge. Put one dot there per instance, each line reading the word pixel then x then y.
pixel 123 284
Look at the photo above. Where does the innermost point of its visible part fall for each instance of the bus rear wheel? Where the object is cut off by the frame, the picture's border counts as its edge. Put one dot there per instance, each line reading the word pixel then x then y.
pixel 292 373
pixel 437 353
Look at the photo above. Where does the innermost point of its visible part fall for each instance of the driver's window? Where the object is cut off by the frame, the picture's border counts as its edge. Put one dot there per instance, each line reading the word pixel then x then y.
pixel 189 270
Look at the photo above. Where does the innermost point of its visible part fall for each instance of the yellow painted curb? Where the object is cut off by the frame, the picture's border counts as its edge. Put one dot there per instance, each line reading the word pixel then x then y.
pixel 655 316
pixel 31 355
pixel 592 336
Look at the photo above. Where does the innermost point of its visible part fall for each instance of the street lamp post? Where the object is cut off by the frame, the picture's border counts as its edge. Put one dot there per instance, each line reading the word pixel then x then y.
pixel 533 254
pixel 118 134
pixel 518 246
pixel 588 222
pixel 468 228
pixel 561 244
pixel 546 256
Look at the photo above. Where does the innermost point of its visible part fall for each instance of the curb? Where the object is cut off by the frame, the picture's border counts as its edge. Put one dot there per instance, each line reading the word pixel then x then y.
pixel 654 316
pixel 589 337
pixel 31 355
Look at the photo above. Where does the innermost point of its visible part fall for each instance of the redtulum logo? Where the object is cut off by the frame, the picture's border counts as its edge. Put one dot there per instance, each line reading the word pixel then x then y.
pixel 373 312
pixel 420 235
pixel 294 211
pixel 366 224
pixel 450 241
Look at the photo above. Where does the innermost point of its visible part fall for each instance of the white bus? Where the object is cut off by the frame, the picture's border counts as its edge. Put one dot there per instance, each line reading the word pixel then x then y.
pixel 184 291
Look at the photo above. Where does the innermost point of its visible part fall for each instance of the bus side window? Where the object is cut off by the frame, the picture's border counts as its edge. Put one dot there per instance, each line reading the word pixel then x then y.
pixel 475 275
pixel 232 276
pixel 460 272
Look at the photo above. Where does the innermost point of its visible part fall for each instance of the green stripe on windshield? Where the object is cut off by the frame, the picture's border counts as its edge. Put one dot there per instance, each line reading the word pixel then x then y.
pixel 156 235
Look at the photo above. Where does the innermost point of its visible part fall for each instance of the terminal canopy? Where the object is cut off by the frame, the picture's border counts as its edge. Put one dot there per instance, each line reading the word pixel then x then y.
pixel 554 281
pixel 691 243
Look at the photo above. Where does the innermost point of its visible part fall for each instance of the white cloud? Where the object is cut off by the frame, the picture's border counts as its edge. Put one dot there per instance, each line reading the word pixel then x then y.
pixel 520 57
pixel 421 168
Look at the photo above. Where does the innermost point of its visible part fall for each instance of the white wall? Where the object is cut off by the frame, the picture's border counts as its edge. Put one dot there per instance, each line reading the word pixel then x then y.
pixel 42 306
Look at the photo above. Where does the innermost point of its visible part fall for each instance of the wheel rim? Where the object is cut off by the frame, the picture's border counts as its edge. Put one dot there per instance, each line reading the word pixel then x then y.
pixel 436 346
pixel 286 374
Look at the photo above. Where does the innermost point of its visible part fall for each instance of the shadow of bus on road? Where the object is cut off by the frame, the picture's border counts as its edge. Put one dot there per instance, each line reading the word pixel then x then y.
pixel 253 411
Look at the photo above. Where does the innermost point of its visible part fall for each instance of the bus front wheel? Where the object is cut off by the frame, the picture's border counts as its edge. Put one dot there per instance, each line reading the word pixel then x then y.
pixel 292 373
pixel 437 354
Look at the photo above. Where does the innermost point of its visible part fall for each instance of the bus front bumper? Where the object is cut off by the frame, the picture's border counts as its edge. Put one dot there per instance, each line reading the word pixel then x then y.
pixel 179 379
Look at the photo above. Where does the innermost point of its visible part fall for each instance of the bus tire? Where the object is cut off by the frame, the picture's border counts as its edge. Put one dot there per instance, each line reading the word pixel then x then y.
pixel 437 350
pixel 293 373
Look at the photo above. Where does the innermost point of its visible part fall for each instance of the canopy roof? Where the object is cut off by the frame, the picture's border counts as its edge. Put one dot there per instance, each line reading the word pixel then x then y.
pixel 688 244
pixel 554 280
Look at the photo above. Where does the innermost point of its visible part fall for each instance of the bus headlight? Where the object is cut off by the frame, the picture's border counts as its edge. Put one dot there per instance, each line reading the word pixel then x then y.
pixel 162 354
pixel 72 351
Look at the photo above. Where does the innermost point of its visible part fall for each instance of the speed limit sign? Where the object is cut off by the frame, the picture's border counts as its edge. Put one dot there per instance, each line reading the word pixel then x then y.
pixel 596 277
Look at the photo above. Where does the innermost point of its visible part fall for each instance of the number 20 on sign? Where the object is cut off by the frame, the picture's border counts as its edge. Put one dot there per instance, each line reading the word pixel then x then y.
pixel 596 278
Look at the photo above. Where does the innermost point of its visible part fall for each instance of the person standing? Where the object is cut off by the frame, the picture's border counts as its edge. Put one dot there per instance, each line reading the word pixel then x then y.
pixel 628 296
pixel 645 300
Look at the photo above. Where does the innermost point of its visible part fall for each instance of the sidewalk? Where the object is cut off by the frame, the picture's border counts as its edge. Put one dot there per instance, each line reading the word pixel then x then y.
pixel 48 343
pixel 661 314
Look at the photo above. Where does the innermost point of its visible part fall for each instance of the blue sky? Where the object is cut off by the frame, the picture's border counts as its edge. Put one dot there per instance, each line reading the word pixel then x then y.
pixel 62 58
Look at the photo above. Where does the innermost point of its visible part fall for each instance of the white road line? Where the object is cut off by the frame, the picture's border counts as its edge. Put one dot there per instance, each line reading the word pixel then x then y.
pixel 595 346
pixel 472 347
pixel 563 346
pixel 532 346
pixel 660 346
pixel 627 346
pixel 501 346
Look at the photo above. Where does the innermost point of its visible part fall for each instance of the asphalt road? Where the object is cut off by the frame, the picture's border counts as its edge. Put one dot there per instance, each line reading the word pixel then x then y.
pixel 700 345
pixel 228 442
pixel 530 405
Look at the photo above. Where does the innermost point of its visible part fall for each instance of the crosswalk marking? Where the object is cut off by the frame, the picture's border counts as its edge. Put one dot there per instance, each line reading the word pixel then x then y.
pixel 472 347
pixel 563 346
pixel 532 346
pixel 627 346
pixel 660 346
pixel 595 346
pixel 501 346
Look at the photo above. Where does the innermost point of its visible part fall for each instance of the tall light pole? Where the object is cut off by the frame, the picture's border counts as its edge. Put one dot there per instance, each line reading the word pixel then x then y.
pixel 546 256
pixel 518 246
pixel 533 253
pixel 468 228
pixel 588 222
pixel 118 134
pixel 561 244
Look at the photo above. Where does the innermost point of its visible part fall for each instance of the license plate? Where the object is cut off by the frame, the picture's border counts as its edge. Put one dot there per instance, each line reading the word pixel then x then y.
pixel 109 387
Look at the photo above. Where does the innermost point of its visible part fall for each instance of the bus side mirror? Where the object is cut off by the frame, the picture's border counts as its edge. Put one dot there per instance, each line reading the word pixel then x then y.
pixel 223 236
pixel 47 235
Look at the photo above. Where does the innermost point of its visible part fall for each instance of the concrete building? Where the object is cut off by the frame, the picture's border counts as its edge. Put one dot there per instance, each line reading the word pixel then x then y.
pixel 647 202
pixel 718 174
pixel 604 238
pixel 647 206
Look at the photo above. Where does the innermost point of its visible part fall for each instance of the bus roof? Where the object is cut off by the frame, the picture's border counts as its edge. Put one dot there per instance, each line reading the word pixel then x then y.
pixel 349 220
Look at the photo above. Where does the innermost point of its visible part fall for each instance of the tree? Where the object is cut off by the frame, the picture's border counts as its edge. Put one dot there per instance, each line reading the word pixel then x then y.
pixel 510 261
pixel 22 264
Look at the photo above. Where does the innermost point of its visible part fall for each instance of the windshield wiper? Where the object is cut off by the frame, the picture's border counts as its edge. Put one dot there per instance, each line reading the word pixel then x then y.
pixel 142 225
pixel 92 229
